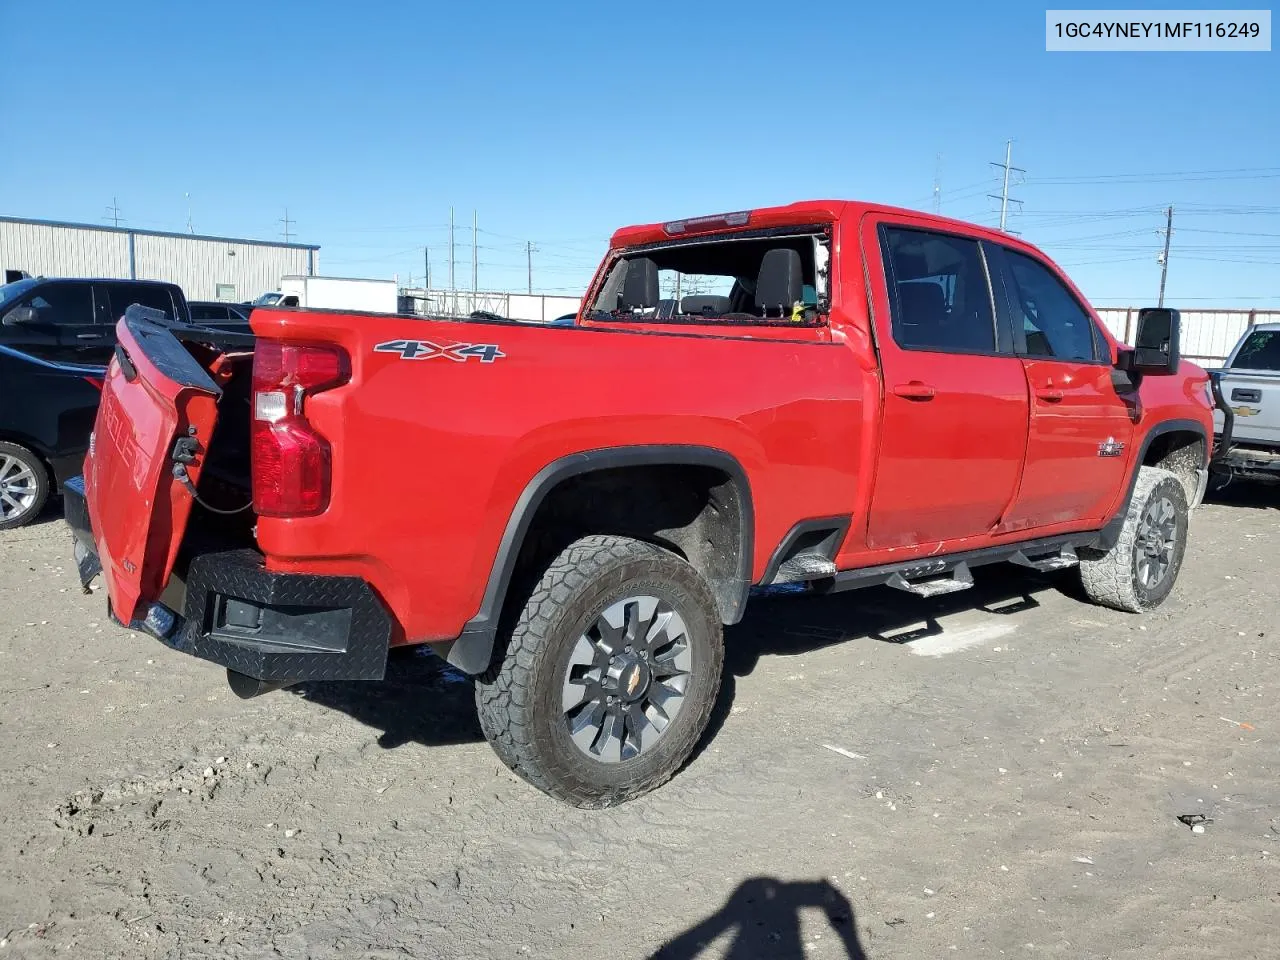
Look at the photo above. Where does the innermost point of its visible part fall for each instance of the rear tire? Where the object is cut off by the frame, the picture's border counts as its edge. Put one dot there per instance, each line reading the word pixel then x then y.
pixel 609 676
pixel 24 486
pixel 1139 572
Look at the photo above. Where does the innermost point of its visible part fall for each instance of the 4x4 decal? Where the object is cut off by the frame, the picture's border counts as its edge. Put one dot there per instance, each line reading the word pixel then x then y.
pixel 426 350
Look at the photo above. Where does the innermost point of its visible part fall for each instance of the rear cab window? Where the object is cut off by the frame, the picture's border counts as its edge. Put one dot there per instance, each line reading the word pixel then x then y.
pixel 1261 351
pixel 776 277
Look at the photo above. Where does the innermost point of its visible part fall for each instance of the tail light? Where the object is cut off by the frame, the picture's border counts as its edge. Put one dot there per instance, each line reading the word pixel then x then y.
pixel 290 460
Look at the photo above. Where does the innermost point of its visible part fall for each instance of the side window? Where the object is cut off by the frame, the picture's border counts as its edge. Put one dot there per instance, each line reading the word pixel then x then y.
pixel 1052 319
pixel 938 292
pixel 124 295
pixel 201 311
pixel 1260 352
pixel 62 303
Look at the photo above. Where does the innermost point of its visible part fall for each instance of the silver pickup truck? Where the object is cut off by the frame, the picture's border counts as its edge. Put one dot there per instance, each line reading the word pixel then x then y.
pixel 1247 423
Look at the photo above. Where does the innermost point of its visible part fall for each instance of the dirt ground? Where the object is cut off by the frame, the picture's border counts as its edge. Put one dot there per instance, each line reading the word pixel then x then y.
pixel 995 773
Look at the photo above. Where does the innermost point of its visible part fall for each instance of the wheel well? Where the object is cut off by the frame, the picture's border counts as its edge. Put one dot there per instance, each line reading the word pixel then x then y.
pixel 1182 453
pixel 696 511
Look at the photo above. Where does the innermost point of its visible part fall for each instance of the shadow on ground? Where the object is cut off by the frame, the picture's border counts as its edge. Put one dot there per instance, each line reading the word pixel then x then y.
pixel 424 700
pixel 792 626
pixel 1255 494
pixel 762 918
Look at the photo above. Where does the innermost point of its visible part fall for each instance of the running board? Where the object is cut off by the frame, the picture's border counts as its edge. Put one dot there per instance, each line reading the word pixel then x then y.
pixel 960 579
pixel 919 576
pixel 1047 564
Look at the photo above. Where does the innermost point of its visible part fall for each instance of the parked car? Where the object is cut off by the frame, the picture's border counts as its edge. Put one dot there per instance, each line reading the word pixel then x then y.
pixel 572 517
pixel 220 315
pixel 1248 425
pixel 56 336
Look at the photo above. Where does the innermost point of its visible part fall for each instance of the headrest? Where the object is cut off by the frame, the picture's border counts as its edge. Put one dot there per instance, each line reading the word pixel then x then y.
pixel 921 302
pixel 706 305
pixel 640 287
pixel 781 281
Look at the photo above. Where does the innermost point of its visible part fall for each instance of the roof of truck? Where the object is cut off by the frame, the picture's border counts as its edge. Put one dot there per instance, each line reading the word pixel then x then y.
pixel 792 214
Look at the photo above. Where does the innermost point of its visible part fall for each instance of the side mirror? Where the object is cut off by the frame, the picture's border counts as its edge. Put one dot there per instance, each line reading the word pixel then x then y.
pixel 1156 348
pixel 20 315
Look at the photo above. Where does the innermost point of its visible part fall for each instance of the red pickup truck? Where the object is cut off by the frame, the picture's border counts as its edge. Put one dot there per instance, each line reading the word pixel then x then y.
pixel 829 393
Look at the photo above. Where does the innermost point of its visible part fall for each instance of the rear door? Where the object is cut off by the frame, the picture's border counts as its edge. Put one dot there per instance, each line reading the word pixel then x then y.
pixel 955 410
pixel 1081 423
pixel 154 394
pixel 1251 386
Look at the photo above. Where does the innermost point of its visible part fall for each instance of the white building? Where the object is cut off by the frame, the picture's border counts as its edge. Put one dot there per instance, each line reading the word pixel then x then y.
pixel 207 268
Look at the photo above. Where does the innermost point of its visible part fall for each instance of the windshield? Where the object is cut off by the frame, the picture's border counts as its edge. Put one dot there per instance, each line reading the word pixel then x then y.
pixel 267 300
pixel 1260 352
pixel 12 291
pixel 744 279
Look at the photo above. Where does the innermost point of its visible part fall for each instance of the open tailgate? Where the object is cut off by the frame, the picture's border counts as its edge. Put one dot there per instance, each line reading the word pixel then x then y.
pixel 155 394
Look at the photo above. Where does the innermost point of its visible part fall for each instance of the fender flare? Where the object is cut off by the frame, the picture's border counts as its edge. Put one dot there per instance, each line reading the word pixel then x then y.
pixel 1110 533
pixel 472 651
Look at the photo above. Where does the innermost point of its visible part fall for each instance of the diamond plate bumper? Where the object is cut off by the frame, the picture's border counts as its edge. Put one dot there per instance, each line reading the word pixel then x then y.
pixel 278 627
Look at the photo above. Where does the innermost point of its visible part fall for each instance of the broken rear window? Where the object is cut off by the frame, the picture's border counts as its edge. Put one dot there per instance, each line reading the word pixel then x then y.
pixel 754 279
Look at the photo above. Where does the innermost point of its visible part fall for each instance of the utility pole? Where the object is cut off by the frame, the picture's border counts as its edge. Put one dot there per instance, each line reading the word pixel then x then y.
pixel 113 212
pixel 475 267
pixel 453 297
pixel 1164 257
pixel 190 227
pixel 937 185
pixel 286 221
pixel 1004 197
pixel 528 252
pixel 426 269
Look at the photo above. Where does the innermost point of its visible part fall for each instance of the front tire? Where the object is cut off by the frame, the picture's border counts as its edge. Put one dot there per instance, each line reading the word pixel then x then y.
pixel 1139 572
pixel 609 676
pixel 24 486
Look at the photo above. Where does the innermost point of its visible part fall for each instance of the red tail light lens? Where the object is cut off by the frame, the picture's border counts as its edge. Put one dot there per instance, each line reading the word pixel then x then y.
pixel 290 460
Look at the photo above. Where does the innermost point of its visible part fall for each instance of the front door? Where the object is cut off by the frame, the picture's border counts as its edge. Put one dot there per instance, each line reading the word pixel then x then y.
pixel 955 409
pixel 1081 424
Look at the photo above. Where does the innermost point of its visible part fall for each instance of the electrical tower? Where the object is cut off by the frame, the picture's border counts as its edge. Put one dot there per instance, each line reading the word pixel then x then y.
pixel 1004 197
pixel 113 212
pixel 937 185
pixel 1164 257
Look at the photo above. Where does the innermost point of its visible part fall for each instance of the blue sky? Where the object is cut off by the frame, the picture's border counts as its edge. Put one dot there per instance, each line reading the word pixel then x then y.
pixel 559 122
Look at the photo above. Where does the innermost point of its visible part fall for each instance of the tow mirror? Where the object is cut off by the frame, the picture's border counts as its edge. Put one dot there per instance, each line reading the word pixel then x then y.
pixel 1156 347
pixel 21 315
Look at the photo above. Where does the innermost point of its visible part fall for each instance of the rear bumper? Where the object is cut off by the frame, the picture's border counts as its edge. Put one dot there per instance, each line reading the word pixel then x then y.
pixel 277 627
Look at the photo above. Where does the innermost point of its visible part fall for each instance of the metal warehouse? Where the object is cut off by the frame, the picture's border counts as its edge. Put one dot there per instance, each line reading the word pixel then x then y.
pixel 207 268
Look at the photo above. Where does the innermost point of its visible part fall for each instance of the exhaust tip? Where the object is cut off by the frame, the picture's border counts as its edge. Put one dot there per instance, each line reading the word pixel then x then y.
pixel 246 687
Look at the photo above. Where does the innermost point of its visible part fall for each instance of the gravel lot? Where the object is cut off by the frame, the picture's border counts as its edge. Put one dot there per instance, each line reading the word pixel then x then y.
pixel 1002 778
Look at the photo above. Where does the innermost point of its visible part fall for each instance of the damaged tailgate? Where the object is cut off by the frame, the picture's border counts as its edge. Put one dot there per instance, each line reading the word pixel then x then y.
pixel 158 411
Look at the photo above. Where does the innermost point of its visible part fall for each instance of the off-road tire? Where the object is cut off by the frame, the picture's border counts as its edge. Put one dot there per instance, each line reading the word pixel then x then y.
pixel 40 484
pixel 519 699
pixel 1111 578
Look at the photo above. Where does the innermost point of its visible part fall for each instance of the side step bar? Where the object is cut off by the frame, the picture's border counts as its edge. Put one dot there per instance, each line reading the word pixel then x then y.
pixel 929 577
pixel 1047 564
pixel 960 579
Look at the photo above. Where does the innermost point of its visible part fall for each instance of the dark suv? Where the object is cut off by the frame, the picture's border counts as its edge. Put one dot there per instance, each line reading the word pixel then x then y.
pixel 56 337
